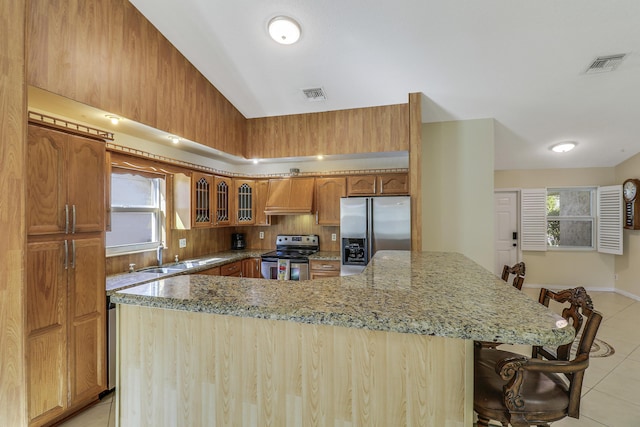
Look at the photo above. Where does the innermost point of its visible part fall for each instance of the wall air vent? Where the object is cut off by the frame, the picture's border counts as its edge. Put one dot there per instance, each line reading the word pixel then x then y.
pixel 603 64
pixel 314 94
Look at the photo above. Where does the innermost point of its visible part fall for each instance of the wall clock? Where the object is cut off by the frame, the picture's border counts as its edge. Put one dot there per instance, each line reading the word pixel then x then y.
pixel 631 194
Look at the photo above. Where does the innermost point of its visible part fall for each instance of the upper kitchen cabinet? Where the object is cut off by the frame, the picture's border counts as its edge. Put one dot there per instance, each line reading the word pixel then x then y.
pixel 360 130
pixel 328 194
pixel 65 183
pixel 202 206
pixel 378 185
pixel 222 201
pixel 261 189
pixel 245 192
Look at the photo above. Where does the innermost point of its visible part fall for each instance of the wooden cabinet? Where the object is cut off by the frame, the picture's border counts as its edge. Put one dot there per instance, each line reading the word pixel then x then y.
pixel 202 200
pixel 396 184
pixel 328 194
pixel 244 211
pixel 323 268
pixel 232 269
pixel 378 185
pixel 222 201
pixel 201 195
pixel 261 189
pixel 65 183
pixel 65 331
pixel 251 268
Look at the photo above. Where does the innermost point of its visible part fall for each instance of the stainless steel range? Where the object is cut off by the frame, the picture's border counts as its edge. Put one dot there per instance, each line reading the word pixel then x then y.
pixel 294 250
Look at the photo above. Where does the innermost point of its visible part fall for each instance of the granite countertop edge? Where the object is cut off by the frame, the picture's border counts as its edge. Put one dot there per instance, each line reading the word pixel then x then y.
pixel 441 294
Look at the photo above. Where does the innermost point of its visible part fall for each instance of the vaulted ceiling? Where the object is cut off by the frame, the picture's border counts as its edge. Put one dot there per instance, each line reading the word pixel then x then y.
pixel 520 62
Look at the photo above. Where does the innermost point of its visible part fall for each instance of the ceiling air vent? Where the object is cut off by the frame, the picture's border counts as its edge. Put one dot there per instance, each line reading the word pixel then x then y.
pixel 314 94
pixel 602 64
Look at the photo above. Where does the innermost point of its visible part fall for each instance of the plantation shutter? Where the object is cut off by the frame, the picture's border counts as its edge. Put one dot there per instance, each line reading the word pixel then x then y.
pixel 610 219
pixel 533 219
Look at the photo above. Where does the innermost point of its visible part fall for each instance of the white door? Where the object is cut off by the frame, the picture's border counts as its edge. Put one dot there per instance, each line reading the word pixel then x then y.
pixel 506 229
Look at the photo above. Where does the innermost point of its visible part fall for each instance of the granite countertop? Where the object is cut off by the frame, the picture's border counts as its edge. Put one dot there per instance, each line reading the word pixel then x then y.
pixel 121 281
pixel 429 293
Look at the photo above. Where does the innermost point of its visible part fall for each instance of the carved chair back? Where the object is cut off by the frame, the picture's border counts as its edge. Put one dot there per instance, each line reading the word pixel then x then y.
pixel 585 320
pixel 518 270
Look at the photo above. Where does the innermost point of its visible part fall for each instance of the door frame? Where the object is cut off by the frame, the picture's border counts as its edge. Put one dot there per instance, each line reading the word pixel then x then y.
pixel 516 191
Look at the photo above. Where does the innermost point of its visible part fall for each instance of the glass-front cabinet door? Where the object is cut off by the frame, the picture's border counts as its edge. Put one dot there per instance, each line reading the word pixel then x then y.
pixel 223 188
pixel 245 199
pixel 202 207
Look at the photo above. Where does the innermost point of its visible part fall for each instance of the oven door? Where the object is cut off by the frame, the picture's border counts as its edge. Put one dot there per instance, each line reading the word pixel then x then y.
pixel 298 270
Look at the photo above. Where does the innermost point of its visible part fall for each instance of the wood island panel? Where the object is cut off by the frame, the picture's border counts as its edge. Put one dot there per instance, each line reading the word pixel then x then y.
pixel 187 368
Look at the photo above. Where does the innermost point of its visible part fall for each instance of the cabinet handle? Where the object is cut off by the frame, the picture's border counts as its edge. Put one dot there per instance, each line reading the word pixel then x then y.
pixel 66 219
pixel 316 217
pixel 73 224
pixel 66 255
pixel 73 250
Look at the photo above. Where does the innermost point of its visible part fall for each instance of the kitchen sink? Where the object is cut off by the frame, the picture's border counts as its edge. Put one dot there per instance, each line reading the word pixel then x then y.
pixel 198 262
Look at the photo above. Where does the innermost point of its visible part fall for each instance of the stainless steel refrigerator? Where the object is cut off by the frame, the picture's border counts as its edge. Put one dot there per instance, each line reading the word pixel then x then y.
pixel 371 224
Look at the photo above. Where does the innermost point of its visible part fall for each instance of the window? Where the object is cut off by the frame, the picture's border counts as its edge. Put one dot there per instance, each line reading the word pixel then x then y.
pixel 137 212
pixel 570 217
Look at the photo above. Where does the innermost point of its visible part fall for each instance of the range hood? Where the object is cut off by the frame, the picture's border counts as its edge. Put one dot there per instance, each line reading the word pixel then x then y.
pixel 290 196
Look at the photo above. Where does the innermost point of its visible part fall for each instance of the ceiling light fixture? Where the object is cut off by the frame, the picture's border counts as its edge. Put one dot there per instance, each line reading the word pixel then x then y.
pixel 114 119
pixel 563 147
pixel 174 139
pixel 284 30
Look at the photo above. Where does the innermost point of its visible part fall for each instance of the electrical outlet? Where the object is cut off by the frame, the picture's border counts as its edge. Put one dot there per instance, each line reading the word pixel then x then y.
pixel 333 237
pixel 262 234
pixel 182 243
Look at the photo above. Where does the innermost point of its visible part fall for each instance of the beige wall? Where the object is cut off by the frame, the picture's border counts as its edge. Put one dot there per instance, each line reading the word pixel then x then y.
pixel 457 184
pixel 539 178
pixel 628 264
pixel 590 269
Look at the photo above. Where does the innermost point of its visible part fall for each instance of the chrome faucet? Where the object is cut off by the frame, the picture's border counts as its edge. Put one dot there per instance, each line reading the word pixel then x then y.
pixel 159 255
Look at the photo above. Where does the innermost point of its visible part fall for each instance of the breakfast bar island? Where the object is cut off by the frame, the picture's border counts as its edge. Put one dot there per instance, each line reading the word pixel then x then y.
pixel 392 346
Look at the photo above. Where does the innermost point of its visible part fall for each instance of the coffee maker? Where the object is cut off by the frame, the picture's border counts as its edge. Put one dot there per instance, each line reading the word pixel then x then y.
pixel 237 241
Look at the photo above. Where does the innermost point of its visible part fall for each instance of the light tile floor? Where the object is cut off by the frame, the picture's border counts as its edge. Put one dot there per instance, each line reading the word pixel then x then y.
pixel 612 384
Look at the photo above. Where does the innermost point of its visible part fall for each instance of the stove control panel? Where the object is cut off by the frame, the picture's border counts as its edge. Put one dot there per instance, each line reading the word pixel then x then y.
pixel 297 240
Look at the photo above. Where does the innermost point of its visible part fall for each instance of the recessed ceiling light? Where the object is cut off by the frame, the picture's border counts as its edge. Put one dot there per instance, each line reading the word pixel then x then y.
pixel 174 139
pixel 255 161
pixel 284 30
pixel 563 147
pixel 114 119
pixel 320 157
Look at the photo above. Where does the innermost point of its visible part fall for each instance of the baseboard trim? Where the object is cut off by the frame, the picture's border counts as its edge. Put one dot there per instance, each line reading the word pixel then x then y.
pixel 587 288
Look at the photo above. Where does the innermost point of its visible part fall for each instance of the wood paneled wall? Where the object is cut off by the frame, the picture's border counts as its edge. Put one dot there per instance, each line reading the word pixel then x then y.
pixel 360 130
pixel 13 130
pixel 203 241
pixel 106 54
pixel 191 369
